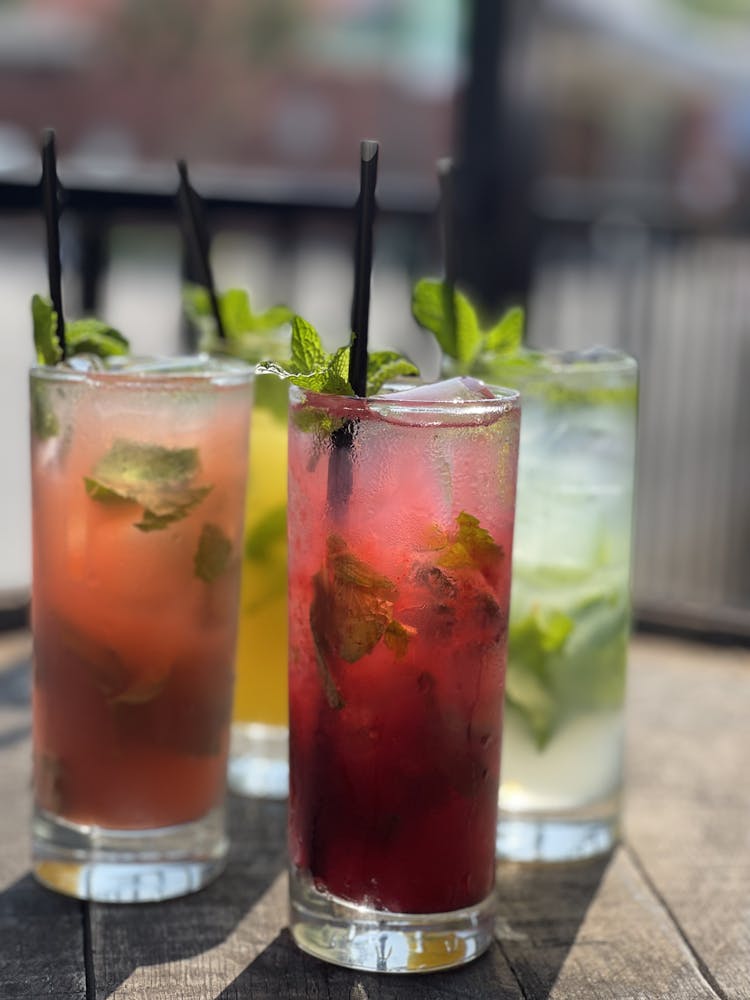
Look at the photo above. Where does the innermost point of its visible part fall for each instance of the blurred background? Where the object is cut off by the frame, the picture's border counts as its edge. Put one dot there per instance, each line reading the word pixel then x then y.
pixel 604 182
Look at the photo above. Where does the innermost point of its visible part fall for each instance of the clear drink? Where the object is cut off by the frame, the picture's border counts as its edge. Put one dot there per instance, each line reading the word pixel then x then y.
pixel 570 606
pixel 401 523
pixel 138 486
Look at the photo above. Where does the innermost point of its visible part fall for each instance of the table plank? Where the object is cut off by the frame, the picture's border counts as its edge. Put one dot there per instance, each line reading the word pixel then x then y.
pixel 688 817
pixel 665 917
pixel 41 933
pixel 593 930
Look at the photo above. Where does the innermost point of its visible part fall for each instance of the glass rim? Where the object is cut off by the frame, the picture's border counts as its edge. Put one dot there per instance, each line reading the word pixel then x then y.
pixel 504 399
pixel 580 359
pixel 561 361
pixel 156 371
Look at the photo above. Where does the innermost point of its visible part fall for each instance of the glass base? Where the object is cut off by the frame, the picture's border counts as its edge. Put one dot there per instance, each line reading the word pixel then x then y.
pixel 359 937
pixel 259 760
pixel 539 837
pixel 127 866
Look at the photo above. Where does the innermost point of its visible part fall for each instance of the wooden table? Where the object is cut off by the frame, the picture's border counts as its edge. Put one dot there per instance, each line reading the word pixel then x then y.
pixel 667 916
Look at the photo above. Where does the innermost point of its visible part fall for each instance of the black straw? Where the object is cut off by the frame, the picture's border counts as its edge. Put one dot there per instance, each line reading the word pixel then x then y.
pixel 446 179
pixel 51 202
pixel 368 155
pixel 340 469
pixel 195 227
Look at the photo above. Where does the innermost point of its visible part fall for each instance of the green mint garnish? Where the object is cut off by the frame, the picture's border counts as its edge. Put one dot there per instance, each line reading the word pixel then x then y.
pixel 351 611
pixel 212 556
pixel 44 423
pixel 269 530
pixel 46 341
pixel 92 336
pixel 154 477
pixel 82 336
pixel 312 367
pixel 382 366
pixel 237 315
pixel 465 339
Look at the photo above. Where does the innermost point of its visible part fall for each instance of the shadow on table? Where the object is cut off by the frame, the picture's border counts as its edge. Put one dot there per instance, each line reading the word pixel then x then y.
pixel 41 942
pixel 282 970
pixel 542 908
pixel 540 911
pixel 124 938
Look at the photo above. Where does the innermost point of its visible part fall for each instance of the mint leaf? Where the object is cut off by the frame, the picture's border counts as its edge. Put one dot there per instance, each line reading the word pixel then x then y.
pixel 308 353
pixel 351 611
pixel 212 556
pixel 313 369
pixel 92 336
pixel 431 310
pixel 269 530
pixel 157 522
pixel 506 336
pixel 82 336
pixel 155 477
pixel 235 309
pixel 397 636
pixel 46 341
pixel 385 365
pixel 471 545
pixel 310 367
pixel 44 423
pixel 324 380
pixel 532 645
pixel 466 341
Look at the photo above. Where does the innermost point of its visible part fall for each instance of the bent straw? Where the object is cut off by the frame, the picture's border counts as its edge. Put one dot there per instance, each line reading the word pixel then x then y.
pixel 368 156
pixel 446 172
pixel 197 236
pixel 51 203
pixel 340 461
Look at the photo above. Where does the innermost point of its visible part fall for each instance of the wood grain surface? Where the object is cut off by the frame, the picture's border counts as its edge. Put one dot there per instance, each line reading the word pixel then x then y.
pixel 665 917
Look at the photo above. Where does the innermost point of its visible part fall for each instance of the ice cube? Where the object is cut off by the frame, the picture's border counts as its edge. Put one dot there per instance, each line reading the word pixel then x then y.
pixel 434 403
pixel 452 390
pixel 84 363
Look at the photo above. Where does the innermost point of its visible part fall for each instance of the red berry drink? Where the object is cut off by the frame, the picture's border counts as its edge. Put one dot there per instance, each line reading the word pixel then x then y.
pixel 401 523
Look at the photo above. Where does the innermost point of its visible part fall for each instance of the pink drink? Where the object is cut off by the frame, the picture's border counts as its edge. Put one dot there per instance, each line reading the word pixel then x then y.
pixel 400 548
pixel 138 486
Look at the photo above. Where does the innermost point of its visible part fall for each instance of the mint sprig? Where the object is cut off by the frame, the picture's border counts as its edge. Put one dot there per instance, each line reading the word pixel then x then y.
pixel 458 331
pixel 156 478
pixel 247 331
pixel 82 336
pixel 311 367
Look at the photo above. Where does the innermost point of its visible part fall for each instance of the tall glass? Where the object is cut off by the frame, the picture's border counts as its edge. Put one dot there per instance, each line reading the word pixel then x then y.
pixel 400 531
pixel 570 607
pixel 138 488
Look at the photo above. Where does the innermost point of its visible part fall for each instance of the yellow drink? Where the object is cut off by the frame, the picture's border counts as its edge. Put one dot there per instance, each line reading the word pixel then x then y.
pixel 258 758
pixel 261 682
